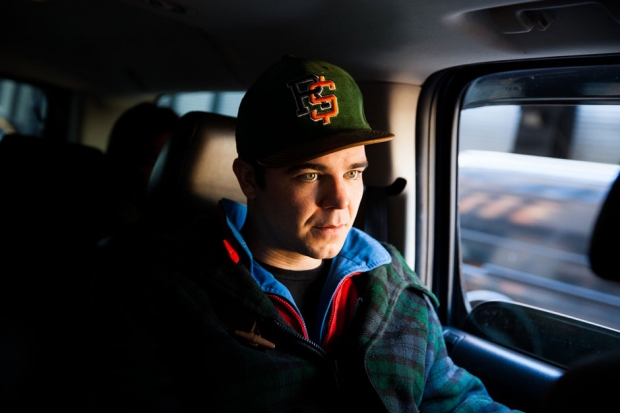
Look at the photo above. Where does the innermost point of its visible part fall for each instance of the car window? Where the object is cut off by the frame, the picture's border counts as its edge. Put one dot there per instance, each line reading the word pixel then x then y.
pixel 534 166
pixel 224 103
pixel 23 108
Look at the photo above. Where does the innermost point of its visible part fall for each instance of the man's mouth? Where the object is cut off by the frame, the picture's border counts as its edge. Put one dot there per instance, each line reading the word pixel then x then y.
pixel 330 227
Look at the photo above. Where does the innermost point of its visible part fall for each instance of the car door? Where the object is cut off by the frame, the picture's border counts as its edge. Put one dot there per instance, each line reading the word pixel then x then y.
pixel 515 160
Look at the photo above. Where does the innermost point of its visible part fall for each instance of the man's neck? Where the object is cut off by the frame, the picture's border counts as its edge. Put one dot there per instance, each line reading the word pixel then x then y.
pixel 286 260
pixel 283 260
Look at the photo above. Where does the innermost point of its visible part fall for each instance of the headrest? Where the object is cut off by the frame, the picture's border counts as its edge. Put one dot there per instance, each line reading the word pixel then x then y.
pixel 194 170
pixel 605 241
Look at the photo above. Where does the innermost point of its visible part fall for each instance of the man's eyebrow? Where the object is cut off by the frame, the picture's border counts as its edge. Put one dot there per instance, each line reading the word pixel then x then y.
pixel 359 165
pixel 307 165
pixel 323 168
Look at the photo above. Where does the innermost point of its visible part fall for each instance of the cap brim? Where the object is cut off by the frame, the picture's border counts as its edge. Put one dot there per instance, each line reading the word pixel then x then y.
pixel 327 144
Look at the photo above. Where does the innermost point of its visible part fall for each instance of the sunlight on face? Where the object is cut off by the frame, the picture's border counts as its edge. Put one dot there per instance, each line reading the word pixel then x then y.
pixel 308 209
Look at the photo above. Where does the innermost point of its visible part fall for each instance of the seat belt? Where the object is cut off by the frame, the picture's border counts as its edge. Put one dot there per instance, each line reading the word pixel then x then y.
pixel 374 209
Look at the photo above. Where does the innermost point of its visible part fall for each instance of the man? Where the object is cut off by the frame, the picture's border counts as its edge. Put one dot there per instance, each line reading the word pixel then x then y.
pixel 282 305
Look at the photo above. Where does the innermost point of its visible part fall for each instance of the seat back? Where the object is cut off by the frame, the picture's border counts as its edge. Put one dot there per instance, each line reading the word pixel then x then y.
pixel 54 207
pixel 590 384
pixel 605 240
pixel 53 193
pixel 194 170
pixel 135 142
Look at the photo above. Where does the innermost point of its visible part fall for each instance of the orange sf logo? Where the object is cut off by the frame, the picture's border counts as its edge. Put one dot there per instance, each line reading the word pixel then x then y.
pixel 311 87
pixel 323 100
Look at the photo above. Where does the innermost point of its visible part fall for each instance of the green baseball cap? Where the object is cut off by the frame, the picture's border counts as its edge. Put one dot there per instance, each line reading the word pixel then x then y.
pixel 301 109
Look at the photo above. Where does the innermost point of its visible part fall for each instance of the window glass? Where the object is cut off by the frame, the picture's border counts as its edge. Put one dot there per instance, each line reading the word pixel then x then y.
pixel 23 108
pixel 526 329
pixel 224 103
pixel 533 174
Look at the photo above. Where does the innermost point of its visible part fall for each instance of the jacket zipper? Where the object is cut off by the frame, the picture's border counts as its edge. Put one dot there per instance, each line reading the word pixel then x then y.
pixel 332 313
pixel 291 310
pixel 287 329
pixel 291 330
pixel 340 304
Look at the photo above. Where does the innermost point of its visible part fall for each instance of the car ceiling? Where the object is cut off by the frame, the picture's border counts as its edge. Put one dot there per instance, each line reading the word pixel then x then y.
pixel 152 46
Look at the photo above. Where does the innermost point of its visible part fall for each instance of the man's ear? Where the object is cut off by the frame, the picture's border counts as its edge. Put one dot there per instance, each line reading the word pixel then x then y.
pixel 246 177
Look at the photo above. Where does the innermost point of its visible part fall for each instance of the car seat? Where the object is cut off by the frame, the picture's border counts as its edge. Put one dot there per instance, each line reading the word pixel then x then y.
pixel 193 171
pixel 135 142
pixel 604 243
pixel 54 208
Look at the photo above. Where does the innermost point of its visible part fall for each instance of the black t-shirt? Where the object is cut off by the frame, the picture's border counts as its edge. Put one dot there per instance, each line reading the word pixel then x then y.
pixel 305 287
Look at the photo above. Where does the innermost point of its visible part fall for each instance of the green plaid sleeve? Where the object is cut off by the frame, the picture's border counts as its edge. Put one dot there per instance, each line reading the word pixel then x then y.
pixel 450 388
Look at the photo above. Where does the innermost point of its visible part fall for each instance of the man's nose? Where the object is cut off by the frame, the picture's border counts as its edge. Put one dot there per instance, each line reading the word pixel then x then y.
pixel 335 194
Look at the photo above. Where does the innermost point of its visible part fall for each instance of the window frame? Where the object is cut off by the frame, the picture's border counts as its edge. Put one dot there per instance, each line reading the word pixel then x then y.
pixel 438 248
pixel 63 113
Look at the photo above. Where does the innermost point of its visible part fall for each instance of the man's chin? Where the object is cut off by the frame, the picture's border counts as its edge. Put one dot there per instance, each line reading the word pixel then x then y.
pixel 323 246
pixel 329 252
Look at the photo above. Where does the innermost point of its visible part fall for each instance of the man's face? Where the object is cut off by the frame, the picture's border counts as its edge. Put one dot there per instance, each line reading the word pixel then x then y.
pixel 308 209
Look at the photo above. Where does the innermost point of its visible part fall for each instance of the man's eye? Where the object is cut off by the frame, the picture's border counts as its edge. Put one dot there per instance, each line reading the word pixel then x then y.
pixel 352 174
pixel 311 176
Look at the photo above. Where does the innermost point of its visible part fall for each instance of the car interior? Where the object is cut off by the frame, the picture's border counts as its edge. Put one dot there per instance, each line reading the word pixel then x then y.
pixel 501 188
